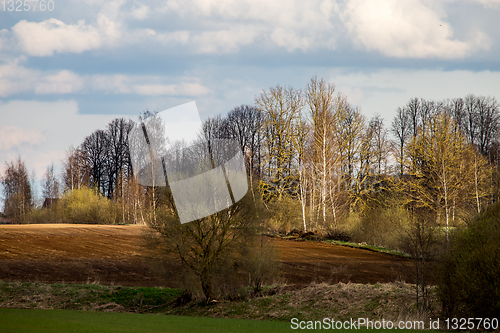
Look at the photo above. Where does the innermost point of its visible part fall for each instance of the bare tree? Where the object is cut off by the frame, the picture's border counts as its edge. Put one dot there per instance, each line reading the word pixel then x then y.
pixel 488 119
pixel 202 245
pixel 380 143
pixel 50 189
pixel 371 174
pixel 352 131
pixel 17 190
pixel 281 112
pixel 412 110
pixel 94 149
pixel 118 162
pixel 401 130
pixel 420 241
pixel 74 174
pixel 244 123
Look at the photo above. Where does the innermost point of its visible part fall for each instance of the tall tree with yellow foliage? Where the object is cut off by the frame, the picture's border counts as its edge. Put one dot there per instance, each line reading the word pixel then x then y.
pixel 444 168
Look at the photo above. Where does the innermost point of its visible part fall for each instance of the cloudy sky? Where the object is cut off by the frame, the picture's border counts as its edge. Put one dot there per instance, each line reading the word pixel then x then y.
pixel 71 68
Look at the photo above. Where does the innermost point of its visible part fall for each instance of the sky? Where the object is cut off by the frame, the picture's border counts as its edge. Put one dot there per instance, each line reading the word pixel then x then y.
pixel 69 67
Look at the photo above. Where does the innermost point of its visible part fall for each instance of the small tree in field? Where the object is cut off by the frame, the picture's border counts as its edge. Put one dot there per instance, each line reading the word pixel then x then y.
pixel 423 244
pixel 203 245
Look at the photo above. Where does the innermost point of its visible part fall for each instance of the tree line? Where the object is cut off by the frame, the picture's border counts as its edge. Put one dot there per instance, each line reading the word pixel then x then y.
pixel 311 149
pixel 314 162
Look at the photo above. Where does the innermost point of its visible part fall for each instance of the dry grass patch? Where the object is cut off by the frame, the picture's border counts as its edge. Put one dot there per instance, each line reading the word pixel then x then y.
pixel 342 301
pixel 389 301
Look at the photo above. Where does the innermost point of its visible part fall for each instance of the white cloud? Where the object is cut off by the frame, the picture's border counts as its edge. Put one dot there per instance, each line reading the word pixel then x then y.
pixel 64 82
pixel 493 4
pixel 116 84
pixel 406 29
pixel 178 37
pixel 54 36
pixel 221 41
pixel 45 38
pixel 290 40
pixel 95 2
pixel 147 85
pixel 183 89
pixel 276 13
pixel 4 39
pixel 140 12
pixel 224 41
pixel 13 136
pixel 289 24
pixel 354 94
pixel 15 79
pixel 110 30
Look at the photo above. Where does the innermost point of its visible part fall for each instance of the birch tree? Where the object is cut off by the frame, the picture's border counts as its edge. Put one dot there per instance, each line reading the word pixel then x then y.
pixel 75 175
pixel 320 99
pixel 327 112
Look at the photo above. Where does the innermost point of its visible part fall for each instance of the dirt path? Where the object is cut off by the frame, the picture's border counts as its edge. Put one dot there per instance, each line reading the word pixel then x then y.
pixel 114 254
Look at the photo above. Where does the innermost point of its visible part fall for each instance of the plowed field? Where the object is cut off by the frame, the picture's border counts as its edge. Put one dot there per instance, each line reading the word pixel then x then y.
pixel 115 254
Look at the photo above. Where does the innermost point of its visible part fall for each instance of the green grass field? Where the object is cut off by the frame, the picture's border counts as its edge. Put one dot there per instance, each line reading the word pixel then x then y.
pixel 40 321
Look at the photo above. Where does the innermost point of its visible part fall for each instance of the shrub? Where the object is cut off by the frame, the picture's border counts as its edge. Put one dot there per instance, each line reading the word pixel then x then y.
pixel 260 261
pixel 45 215
pixel 469 282
pixel 284 215
pixel 85 206
pixel 379 226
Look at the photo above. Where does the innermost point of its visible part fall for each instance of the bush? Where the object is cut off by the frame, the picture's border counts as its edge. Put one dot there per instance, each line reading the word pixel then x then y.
pixel 338 236
pixel 379 226
pixel 79 206
pixel 469 284
pixel 85 206
pixel 260 261
pixel 45 215
pixel 284 215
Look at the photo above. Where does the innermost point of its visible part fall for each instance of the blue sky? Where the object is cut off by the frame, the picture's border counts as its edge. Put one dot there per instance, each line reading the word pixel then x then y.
pixel 67 72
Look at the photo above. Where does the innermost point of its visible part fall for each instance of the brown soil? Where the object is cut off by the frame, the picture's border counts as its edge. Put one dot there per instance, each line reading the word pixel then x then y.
pixel 307 261
pixel 115 255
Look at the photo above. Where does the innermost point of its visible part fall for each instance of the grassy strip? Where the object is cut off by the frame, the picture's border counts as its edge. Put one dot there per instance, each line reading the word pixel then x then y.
pixel 39 321
pixel 369 247
pixel 362 246
pixel 86 297
pixel 54 321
